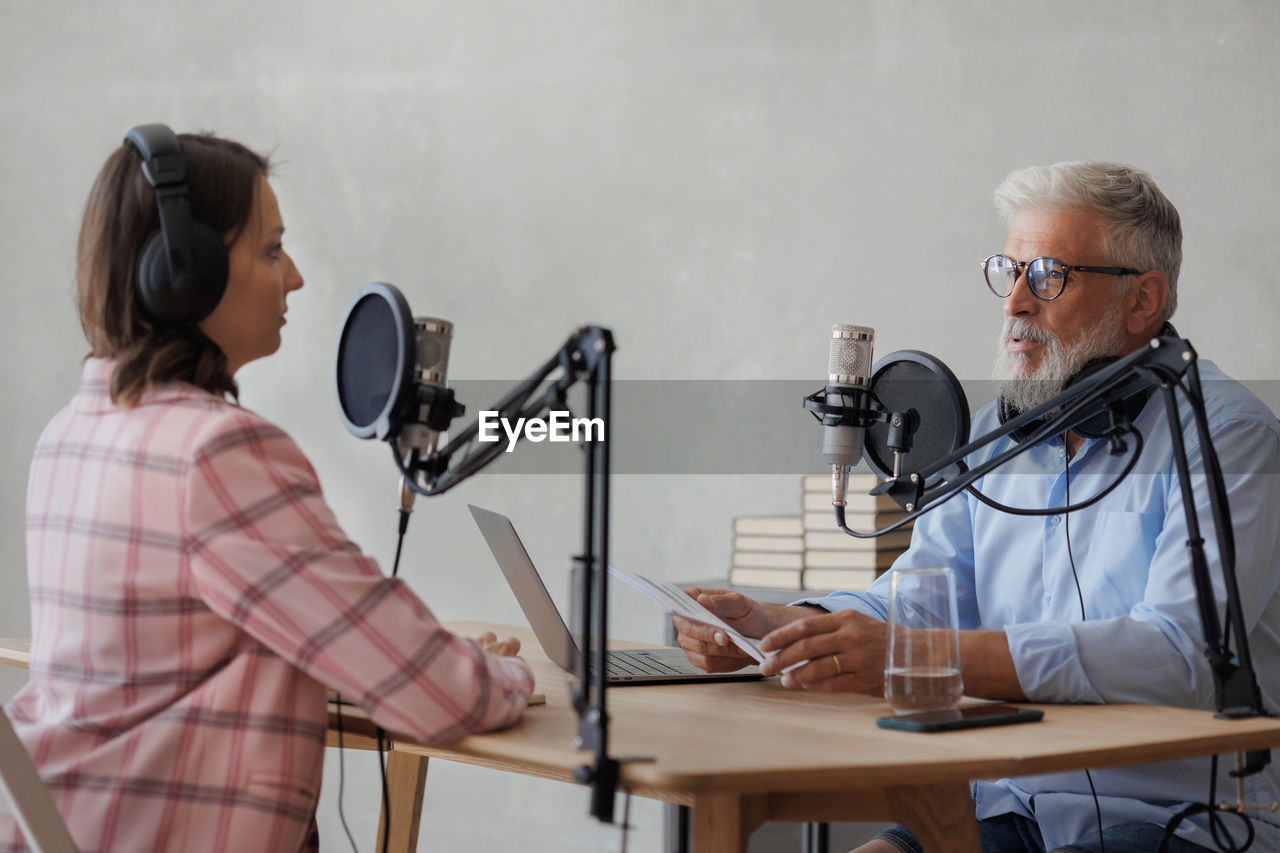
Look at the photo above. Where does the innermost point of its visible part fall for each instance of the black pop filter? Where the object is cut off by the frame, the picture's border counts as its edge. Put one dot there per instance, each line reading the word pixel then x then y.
pixel 909 380
pixel 375 362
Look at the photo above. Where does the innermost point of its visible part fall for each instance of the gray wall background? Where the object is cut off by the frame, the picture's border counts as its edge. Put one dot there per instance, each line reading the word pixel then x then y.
pixel 716 180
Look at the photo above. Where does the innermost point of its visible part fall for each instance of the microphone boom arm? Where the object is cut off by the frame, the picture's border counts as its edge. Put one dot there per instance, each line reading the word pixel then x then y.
pixel 1165 360
pixel 585 357
pixel 570 359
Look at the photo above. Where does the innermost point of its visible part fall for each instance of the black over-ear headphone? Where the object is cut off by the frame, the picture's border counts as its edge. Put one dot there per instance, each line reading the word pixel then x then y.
pixel 1097 425
pixel 182 268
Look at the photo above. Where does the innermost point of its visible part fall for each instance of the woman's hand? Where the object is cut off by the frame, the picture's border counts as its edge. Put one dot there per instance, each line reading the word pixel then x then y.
pixel 489 642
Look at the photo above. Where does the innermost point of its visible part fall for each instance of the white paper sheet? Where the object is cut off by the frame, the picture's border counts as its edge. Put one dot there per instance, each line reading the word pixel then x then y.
pixel 673 600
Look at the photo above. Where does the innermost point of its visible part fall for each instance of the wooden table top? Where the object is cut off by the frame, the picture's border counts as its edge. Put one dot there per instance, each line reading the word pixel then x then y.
pixel 760 736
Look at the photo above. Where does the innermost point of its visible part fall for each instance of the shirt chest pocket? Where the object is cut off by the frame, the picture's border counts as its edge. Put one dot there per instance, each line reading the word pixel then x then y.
pixel 1119 561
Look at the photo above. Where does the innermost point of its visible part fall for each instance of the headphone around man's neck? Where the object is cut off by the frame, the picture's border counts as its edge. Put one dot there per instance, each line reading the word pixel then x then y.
pixel 1098 425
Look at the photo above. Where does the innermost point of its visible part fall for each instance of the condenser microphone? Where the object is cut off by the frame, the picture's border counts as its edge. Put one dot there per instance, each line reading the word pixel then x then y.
pixel 419 439
pixel 432 339
pixel 848 377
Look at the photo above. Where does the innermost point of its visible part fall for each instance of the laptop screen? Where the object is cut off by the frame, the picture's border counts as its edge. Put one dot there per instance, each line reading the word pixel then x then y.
pixel 523 578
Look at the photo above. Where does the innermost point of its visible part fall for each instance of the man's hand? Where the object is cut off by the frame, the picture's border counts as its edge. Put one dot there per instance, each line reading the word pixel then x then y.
pixel 845 653
pixel 709 648
pixel 489 642
pixel 844 650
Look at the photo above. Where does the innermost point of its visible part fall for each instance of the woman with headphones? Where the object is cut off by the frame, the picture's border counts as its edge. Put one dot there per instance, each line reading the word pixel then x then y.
pixel 192 596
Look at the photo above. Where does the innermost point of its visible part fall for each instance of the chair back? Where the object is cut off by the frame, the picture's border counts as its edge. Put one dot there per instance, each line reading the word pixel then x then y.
pixel 28 798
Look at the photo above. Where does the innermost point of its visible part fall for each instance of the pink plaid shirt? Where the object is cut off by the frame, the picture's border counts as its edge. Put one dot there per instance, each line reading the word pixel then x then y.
pixel 192 597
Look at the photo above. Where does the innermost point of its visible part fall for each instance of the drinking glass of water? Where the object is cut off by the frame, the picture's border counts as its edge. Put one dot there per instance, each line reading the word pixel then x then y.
pixel 922 653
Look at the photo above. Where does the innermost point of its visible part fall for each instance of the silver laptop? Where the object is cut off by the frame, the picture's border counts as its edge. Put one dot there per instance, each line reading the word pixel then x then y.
pixel 622 666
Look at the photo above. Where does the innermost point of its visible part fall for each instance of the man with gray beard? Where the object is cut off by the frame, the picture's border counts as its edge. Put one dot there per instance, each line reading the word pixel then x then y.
pixel 1024 386
pixel 1097 606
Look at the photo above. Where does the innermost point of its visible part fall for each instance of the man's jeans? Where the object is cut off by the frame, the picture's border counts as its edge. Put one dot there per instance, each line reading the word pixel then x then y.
pixel 1011 833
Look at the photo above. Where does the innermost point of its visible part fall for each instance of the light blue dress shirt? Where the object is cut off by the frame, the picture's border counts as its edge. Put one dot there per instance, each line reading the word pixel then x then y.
pixel 1140 639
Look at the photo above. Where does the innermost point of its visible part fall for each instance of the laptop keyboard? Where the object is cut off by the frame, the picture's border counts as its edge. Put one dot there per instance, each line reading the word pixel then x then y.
pixel 624 665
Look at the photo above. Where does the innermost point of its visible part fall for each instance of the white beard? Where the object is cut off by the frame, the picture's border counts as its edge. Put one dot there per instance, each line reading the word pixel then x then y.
pixel 1024 388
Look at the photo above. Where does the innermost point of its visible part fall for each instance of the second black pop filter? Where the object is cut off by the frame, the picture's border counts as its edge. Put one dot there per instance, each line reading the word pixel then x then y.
pixel 910 380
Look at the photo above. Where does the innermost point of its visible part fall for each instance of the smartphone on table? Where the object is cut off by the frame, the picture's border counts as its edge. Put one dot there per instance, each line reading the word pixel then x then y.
pixel 968 717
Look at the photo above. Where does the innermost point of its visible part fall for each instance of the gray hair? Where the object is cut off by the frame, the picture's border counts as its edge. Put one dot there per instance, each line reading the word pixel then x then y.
pixel 1141 227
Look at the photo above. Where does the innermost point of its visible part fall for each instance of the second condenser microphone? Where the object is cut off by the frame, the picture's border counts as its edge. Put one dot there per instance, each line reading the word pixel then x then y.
pixel 848 378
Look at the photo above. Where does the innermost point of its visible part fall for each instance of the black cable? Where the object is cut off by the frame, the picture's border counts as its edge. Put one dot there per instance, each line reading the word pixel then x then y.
pixel 1135 434
pixel 1066 520
pixel 1219 509
pixel 1216 824
pixel 382 766
pixel 382 735
pixel 404 526
pixel 342 778
pixel 996 505
pixel 991 464
pixel 1097 810
pixel 1217 498
pixel 386 795
pixel 1066 530
pixel 1213 469
pixel 626 818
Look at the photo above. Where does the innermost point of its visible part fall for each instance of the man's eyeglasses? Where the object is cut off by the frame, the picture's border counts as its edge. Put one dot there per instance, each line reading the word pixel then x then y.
pixel 1045 276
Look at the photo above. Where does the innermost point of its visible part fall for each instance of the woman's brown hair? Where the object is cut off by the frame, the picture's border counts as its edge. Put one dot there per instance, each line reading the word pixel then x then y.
pixel 222 180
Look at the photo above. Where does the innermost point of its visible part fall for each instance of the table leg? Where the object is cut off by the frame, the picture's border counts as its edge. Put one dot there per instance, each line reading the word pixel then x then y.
pixel 940 816
pixel 723 823
pixel 406 781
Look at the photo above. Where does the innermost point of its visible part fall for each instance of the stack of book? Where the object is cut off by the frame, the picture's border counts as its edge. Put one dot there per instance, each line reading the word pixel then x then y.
pixel 768 551
pixel 835 560
pixel 808 551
